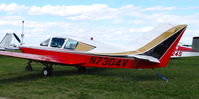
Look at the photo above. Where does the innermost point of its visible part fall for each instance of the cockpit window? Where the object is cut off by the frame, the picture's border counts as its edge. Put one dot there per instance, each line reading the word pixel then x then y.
pixel 71 44
pixel 45 43
pixel 57 42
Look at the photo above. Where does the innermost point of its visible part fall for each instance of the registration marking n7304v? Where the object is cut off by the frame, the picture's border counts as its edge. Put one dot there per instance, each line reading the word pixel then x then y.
pixel 107 61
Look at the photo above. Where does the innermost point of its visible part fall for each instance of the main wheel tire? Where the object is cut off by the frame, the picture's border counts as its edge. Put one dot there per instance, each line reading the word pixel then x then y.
pixel 47 71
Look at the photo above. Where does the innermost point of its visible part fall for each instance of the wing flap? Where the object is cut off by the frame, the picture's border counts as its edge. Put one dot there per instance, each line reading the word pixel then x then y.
pixel 43 58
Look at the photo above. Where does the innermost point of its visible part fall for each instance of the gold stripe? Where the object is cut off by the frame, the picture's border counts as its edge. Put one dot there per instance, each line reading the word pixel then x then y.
pixel 151 44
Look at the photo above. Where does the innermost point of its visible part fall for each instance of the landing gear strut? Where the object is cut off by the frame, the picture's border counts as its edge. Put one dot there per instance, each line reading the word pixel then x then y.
pixel 29 66
pixel 48 70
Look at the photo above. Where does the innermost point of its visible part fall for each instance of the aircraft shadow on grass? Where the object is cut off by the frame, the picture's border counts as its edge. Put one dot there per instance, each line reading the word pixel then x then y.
pixel 93 71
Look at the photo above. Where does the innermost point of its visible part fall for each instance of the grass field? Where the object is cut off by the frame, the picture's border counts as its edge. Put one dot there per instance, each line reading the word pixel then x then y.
pixel 67 83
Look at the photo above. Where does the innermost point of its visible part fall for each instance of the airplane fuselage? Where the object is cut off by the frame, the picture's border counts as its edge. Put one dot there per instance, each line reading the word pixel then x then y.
pixel 182 51
pixel 92 60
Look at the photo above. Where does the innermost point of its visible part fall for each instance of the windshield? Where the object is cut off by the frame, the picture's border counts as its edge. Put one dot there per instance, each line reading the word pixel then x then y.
pixel 45 43
pixel 57 42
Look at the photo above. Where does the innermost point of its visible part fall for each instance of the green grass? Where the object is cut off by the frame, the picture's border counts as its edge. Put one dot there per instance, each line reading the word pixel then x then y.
pixel 67 83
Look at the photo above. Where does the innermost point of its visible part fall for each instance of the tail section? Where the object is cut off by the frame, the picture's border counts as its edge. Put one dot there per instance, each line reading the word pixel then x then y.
pixel 5 44
pixel 195 43
pixel 165 44
pixel 6 40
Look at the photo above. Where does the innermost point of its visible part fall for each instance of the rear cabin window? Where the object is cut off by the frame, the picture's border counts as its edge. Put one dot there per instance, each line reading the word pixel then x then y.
pixel 57 42
pixel 71 44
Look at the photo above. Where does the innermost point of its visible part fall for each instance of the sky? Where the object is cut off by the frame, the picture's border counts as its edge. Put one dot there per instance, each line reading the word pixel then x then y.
pixel 109 21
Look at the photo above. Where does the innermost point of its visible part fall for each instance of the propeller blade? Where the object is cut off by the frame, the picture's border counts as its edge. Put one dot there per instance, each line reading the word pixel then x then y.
pixel 17 38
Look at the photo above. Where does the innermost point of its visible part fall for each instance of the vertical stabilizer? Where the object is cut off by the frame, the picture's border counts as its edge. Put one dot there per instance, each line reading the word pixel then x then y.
pixel 195 43
pixel 5 43
pixel 162 47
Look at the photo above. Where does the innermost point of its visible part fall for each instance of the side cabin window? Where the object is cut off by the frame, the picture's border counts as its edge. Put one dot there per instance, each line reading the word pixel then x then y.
pixel 57 42
pixel 71 44
pixel 45 43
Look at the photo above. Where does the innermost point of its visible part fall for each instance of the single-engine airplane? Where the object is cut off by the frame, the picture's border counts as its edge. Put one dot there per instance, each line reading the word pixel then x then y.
pixel 155 52
pixel 183 51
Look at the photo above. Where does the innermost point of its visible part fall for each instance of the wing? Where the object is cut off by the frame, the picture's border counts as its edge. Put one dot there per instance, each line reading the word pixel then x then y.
pixel 44 58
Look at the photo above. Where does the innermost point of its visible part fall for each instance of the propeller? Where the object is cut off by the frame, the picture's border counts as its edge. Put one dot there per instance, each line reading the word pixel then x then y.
pixel 17 38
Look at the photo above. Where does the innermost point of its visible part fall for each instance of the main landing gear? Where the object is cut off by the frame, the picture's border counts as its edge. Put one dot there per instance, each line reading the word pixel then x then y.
pixel 47 70
pixel 29 66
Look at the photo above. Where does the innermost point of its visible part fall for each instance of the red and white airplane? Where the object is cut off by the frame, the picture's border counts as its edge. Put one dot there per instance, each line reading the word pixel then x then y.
pixel 183 51
pixel 155 52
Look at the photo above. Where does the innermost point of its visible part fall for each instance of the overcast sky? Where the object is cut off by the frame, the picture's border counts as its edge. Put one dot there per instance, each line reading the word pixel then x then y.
pixel 113 21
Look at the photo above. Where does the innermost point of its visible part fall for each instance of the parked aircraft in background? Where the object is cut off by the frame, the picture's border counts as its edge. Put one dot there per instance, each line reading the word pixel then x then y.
pixel 184 51
pixel 5 44
pixel 155 51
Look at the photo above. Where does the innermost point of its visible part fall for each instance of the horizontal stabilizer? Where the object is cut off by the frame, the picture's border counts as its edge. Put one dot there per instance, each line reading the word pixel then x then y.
pixel 144 57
